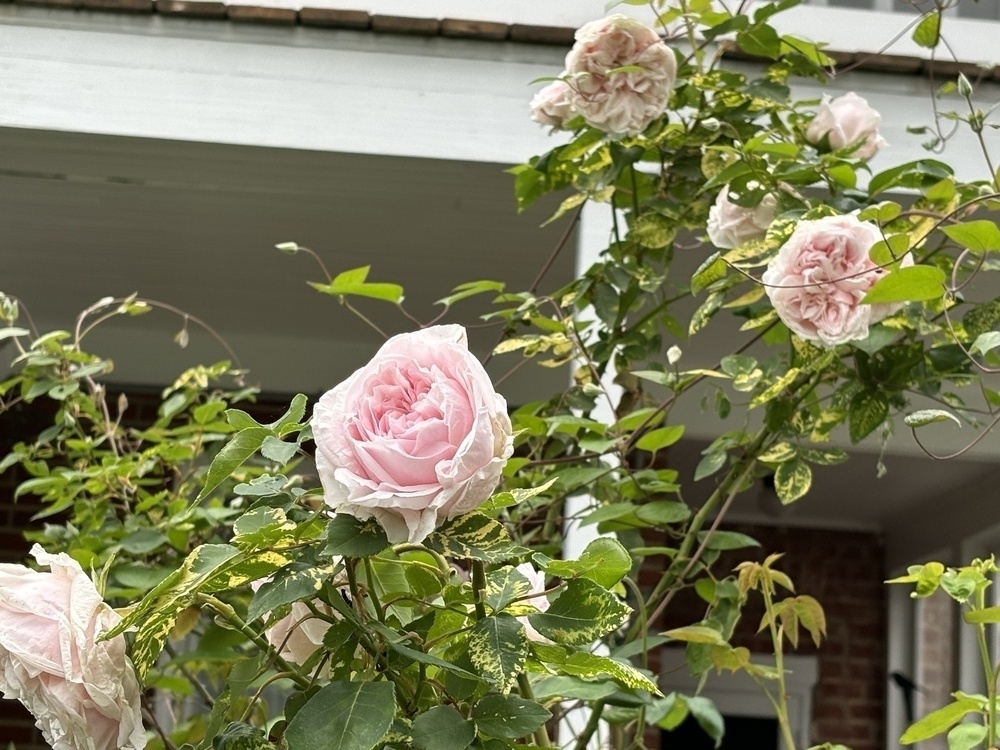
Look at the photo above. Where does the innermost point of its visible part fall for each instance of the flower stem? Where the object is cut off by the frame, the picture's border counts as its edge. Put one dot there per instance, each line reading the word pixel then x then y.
pixel 541 736
pixel 989 674
pixel 781 704
pixel 478 587
pixel 229 614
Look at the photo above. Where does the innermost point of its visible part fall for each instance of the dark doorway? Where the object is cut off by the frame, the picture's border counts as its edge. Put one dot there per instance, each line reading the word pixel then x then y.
pixel 742 733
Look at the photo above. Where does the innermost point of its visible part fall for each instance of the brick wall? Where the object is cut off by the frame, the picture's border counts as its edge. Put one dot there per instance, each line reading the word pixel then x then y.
pixel 844 571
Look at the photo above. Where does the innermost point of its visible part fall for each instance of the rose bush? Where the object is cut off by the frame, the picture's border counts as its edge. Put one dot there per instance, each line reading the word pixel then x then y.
pixel 415 437
pixel 81 690
pixel 817 280
pixel 847 121
pixel 730 224
pixel 620 102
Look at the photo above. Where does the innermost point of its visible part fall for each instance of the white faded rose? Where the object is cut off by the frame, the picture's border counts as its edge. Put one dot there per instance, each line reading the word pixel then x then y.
pixel 539 601
pixel 297 635
pixel 624 102
pixel 82 691
pixel 847 121
pixel 730 224
pixel 416 436
pixel 551 105
pixel 820 275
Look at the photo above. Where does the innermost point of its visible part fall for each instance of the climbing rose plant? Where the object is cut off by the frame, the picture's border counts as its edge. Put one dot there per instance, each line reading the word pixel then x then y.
pixel 413 587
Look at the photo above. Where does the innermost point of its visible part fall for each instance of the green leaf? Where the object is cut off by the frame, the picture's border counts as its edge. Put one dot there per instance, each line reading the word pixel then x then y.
pixel 761 40
pixel 234 454
pixel 604 561
pixel 697 634
pixel 713 269
pixel 584 664
pixel 867 411
pixel 652 230
pixel 442 728
pixel 353 282
pixel 581 614
pixel 907 284
pixel 927 416
pixel 939 721
pixel 349 537
pixel 792 480
pixel 978 236
pixel 966 736
pixel 508 716
pixel 143 541
pixel 299 581
pixel 498 648
pixel 504 586
pixel 928 31
pixel 344 715
pixel 240 736
pixel 660 438
pixel 432 661
pixel 708 717
pixel 474 536
pixel 567 686
pixel 277 450
pixel 470 289
pixel 723 540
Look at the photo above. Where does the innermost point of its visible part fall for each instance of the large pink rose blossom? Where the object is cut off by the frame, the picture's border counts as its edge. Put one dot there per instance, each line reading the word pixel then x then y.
pixel 416 436
pixel 82 691
pixel 820 275
pixel 626 102
pixel 846 121
pixel 551 105
pixel 730 224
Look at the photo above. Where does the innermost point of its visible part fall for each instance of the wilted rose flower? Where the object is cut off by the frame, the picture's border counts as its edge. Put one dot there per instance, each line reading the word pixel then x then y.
pixel 628 101
pixel 847 121
pixel 416 436
pixel 551 105
pixel 297 635
pixel 730 224
pixel 82 691
pixel 540 602
pixel 817 280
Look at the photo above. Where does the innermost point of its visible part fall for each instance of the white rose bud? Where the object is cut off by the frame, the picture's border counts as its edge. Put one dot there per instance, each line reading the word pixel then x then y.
pixel 730 224
pixel 847 121
pixel 674 354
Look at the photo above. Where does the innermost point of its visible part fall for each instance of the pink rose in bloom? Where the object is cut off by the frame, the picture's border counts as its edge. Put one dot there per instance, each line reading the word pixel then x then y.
pixel 83 692
pixel 620 102
pixel 847 121
pixel 551 106
pixel 540 602
pixel 730 224
pixel 297 635
pixel 817 280
pixel 416 436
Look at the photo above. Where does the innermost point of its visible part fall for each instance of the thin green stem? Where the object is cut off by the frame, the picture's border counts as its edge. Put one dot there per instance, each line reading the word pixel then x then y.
pixel 541 736
pixel 776 632
pixel 478 587
pixel 373 595
pixel 229 614
pixel 988 673
pixel 592 723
